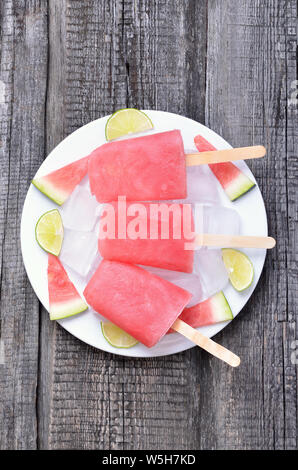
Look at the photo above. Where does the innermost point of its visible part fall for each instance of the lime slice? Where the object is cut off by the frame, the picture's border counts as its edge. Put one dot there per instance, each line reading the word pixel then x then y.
pixel 49 232
pixel 127 121
pixel 240 268
pixel 117 337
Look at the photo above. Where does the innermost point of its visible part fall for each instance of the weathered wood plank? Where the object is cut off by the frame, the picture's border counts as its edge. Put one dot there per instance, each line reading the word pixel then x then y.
pixel 249 68
pixel 290 342
pixel 54 133
pixel 164 47
pixel 144 54
pixel 22 108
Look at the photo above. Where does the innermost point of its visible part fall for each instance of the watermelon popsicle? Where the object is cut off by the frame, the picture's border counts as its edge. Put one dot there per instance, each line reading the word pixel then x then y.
pixel 142 304
pixel 148 239
pixel 151 167
pixel 160 235
pixel 145 306
pixel 142 168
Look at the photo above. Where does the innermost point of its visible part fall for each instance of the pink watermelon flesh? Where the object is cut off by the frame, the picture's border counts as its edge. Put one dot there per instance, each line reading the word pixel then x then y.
pixel 145 168
pixel 234 182
pixel 163 253
pixel 64 299
pixel 213 310
pixel 142 304
pixel 59 184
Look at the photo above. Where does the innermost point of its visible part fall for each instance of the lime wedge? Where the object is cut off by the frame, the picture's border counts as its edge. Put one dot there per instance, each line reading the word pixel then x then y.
pixel 49 232
pixel 117 337
pixel 127 121
pixel 240 268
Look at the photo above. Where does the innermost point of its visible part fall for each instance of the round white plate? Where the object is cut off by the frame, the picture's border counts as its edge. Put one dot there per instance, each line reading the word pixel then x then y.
pixel 86 326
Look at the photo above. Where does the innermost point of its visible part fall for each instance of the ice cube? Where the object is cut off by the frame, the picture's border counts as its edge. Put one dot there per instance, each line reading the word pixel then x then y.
pixel 81 210
pixel 189 282
pixel 79 251
pixel 93 268
pixel 85 183
pixel 208 264
pixel 202 186
pixel 216 220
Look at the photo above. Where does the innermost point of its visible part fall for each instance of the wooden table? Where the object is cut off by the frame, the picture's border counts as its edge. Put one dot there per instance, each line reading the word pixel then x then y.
pixel 230 64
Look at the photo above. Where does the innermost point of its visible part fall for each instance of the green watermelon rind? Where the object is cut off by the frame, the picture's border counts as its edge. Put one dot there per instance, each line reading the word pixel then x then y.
pixel 59 197
pixel 221 308
pixel 239 186
pixel 67 309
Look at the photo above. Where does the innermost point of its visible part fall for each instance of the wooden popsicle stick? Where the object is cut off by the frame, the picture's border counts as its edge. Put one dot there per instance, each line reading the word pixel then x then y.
pixel 220 156
pixel 235 241
pixel 206 343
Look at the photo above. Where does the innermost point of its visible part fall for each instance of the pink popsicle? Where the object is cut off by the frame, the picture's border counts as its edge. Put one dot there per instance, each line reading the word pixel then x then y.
pixel 142 304
pixel 143 168
pixel 163 253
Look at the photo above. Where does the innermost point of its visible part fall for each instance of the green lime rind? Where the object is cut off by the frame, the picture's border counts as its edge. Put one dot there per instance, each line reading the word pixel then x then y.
pixel 114 345
pixel 125 109
pixel 36 234
pixel 46 190
pixel 249 263
pixel 69 312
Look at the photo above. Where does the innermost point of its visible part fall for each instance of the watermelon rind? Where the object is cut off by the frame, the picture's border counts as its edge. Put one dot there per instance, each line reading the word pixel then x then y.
pixel 241 185
pixel 221 308
pixel 215 309
pixel 67 309
pixel 59 197
pixel 238 186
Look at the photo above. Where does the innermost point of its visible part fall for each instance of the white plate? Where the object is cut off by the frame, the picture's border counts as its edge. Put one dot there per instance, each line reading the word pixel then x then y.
pixel 86 326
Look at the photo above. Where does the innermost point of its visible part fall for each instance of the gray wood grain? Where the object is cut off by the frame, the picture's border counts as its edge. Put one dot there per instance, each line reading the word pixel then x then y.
pixel 290 330
pixel 229 63
pixel 54 133
pixel 250 66
pixel 23 71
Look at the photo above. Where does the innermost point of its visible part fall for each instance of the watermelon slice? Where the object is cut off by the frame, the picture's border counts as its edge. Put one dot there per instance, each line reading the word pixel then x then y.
pixel 213 310
pixel 59 184
pixel 64 298
pixel 234 182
